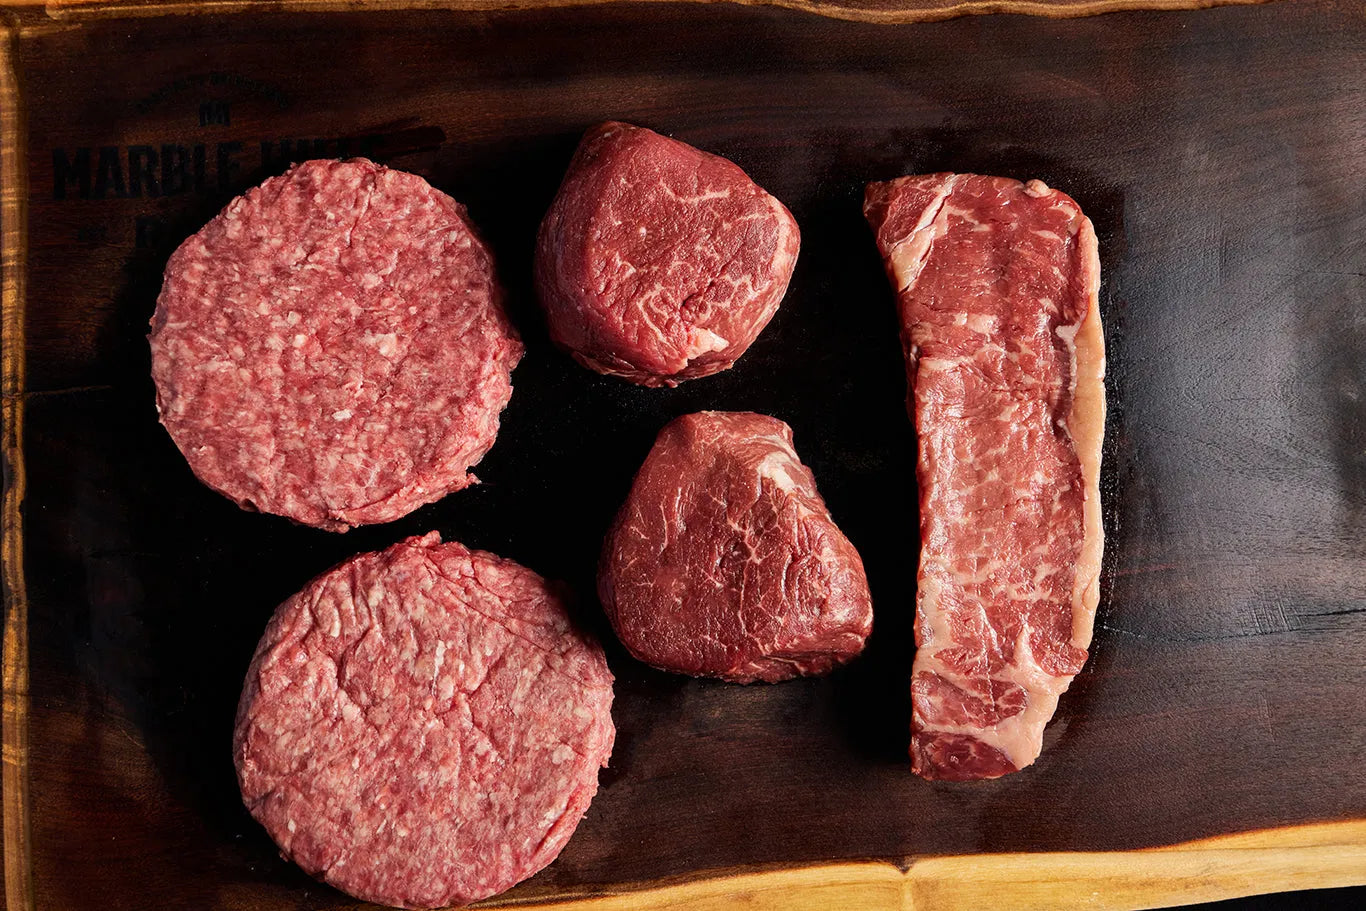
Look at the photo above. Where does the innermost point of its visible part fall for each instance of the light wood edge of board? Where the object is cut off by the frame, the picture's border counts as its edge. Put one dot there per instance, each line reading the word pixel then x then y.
pixel 1315 856
pixel 13 247
pixel 892 14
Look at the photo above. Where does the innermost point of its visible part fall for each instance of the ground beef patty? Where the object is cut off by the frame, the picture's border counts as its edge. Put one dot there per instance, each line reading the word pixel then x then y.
pixel 659 262
pixel 332 347
pixel 423 726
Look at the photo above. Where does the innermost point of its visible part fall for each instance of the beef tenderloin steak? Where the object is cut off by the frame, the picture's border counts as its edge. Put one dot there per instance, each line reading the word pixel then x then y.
pixel 659 262
pixel 332 347
pixel 724 561
pixel 423 726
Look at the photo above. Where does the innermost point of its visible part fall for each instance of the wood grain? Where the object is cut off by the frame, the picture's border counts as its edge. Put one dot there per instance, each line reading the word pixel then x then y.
pixel 1211 870
pixel 18 866
pixel 1220 154
pixel 879 11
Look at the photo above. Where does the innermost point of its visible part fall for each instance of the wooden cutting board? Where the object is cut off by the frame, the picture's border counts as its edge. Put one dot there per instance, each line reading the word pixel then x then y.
pixel 1222 156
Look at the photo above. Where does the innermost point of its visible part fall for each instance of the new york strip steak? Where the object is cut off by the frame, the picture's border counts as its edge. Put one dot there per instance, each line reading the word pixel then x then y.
pixel 997 291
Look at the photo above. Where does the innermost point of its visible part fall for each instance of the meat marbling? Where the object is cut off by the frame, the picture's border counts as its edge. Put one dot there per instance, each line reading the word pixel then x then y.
pixel 659 262
pixel 724 560
pixel 997 290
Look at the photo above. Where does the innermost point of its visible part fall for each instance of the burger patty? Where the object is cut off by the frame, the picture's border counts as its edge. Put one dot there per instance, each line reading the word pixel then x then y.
pixel 332 347
pixel 423 726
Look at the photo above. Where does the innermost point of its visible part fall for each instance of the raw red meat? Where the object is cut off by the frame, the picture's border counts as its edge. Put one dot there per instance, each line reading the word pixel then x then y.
pixel 724 561
pixel 997 287
pixel 333 347
pixel 423 726
pixel 658 262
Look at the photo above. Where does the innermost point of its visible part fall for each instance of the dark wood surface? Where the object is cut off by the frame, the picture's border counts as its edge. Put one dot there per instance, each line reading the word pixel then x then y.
pixel 1221 155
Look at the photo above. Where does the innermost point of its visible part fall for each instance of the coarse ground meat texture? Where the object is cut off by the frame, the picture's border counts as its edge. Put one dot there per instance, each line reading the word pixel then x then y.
pixel 997 287
pixel 658 262
pixel 724 560
pixel 423 726
pixel 332 347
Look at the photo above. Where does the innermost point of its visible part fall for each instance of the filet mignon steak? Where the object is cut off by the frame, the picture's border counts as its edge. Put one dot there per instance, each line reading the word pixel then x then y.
pixel 423 726
pixel 332 347
pixel 997 287
pixel 658 262
pixel 724 561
